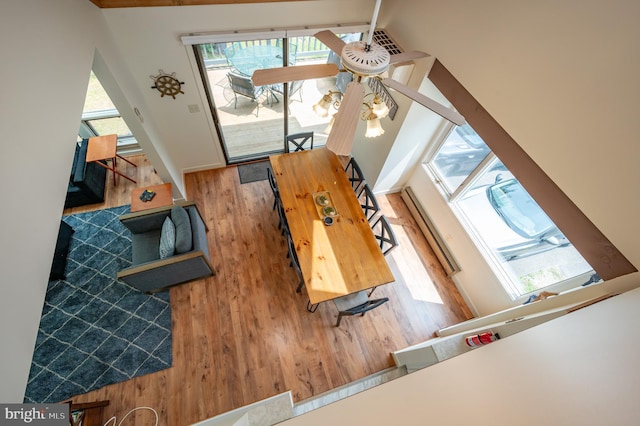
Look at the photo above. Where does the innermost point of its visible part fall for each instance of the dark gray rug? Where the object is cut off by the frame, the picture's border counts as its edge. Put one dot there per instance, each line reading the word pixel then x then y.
pixel 94 330
pixel 253 172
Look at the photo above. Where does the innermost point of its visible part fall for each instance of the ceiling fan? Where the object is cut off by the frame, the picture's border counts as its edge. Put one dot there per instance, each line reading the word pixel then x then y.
pixel 364 59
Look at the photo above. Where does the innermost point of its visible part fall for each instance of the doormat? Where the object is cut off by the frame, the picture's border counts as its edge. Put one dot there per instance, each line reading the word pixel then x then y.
pixel 253 172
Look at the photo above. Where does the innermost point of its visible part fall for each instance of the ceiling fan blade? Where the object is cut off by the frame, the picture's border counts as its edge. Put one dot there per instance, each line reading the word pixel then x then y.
pixel 434 106
pixel 340 139
pixel 407 56
pixel 286 74
pixel 332 41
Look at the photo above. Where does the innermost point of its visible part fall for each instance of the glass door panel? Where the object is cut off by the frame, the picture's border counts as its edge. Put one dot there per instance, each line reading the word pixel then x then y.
pixel 253 121
pixel 250 118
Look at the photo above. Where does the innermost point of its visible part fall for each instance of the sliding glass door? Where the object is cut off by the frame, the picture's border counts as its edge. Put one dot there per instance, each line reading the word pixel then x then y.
pixel 252 121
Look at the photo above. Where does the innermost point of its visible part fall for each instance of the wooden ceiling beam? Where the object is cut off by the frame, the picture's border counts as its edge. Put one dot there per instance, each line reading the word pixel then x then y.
pixel 106 4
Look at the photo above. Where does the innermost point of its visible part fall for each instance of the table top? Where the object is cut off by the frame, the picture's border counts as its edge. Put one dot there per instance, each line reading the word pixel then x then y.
pixel 248 59
pixel 101 147
pixel 335 260
pixel 162 198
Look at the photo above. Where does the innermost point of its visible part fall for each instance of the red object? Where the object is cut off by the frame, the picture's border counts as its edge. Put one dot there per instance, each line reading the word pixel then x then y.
pixel 480 339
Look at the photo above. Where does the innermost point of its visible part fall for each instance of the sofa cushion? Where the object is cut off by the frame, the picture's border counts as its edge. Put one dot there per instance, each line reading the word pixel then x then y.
pixel 167 239
pixel 184 238
pixel 145 247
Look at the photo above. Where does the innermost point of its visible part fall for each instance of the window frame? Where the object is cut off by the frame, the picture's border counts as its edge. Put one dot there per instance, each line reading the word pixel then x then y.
pixel 591 243
pixel 494 261
pixel 126 143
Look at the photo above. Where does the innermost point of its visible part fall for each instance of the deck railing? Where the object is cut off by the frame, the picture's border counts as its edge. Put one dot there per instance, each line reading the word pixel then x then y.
pixel 305 48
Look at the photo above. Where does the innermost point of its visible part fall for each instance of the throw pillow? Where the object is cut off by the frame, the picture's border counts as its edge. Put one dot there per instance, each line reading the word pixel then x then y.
pixel 167 239
pixel 182 222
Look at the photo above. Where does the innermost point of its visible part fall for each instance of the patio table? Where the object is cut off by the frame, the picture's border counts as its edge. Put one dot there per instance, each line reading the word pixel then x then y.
pixel 248 59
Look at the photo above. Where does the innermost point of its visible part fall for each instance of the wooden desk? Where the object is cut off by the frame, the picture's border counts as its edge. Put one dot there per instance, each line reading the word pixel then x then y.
pixel 104 148
pixel 162 198
pixel 335 260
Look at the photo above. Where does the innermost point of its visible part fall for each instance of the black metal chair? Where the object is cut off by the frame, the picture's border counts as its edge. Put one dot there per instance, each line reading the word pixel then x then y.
pixel 283 225
pixel 384 234
pixel 386 237
pixel 356 177
pixel 356 304
pixel 368 202
pixel 293 257
pixel 243 85
pixel 298 142
pixel 274 187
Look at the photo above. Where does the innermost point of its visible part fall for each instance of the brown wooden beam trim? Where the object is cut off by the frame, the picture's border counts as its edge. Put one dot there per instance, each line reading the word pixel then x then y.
pixel 106 4
pixel 601 254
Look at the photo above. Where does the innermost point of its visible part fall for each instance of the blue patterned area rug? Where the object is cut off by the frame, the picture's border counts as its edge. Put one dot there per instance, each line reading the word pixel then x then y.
pixel 94 330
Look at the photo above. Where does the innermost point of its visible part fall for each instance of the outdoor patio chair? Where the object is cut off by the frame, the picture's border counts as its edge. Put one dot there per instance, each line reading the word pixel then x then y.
pixel 242 85
pixel 294 87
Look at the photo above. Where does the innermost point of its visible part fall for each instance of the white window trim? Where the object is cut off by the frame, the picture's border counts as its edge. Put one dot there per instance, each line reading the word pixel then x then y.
pixel 261 34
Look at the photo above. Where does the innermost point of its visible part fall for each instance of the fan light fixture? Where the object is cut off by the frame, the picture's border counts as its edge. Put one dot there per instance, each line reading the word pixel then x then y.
pixel 374 128
pixel 332 98
pixel 374 110
pixel 364 60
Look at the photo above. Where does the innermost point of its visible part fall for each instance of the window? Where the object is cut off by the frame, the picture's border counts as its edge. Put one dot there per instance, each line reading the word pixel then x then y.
pixel 521 242
pixel 604 257
pixel 458 156
pixel 100 117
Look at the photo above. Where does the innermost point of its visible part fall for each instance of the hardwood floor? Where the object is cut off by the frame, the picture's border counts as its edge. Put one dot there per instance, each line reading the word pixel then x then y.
pixel 245 335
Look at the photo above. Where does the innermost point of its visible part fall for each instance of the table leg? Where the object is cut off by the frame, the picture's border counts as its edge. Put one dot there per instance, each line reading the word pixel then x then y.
pixel 120 156
pixel 121 174
pixel 115 171
pixel 312 308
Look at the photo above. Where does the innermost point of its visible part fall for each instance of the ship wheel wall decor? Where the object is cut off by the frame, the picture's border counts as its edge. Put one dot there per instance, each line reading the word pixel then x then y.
pixel 167 84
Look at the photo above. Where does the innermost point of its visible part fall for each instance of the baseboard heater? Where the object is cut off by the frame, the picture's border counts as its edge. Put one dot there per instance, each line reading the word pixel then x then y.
pixel 430 232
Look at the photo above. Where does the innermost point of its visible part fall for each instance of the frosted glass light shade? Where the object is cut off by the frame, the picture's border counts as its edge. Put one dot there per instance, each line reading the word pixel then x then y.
pixel 374 128
pixel 322 107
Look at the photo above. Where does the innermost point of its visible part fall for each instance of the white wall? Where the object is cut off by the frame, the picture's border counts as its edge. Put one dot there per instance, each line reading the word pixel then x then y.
pixel 579 369
pixel 45 73
pixel 561 78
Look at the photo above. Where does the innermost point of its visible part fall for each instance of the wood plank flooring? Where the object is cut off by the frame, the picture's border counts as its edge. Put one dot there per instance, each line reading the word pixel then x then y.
pixel 245 335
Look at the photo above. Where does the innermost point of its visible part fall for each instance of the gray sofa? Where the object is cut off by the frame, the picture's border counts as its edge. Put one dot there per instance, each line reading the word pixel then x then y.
pixel 149 272
pixel 87 180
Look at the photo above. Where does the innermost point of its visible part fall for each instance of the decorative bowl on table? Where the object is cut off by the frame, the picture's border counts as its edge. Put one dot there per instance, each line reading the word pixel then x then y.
pixel 328 211
pixel 322 200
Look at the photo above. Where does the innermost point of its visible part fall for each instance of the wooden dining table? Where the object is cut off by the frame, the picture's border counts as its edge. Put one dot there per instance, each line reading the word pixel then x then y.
pixel 337 259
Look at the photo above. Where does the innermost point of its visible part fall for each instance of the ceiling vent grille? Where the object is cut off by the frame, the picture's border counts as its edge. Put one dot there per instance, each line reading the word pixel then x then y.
pixel 383 39
pixel 401 71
